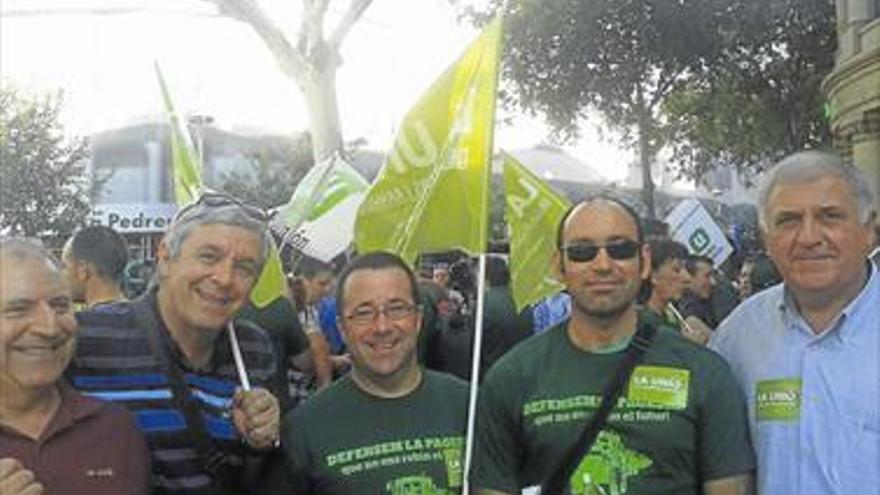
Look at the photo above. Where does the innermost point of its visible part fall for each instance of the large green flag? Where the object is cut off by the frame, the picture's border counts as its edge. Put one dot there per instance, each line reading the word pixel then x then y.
pixel 432 193
pixel 533 211
pixel 186 163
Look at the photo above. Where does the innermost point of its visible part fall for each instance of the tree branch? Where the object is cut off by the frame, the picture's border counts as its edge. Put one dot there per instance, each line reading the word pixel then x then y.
pixel 311 27
pixel 355 9
pixel 291 61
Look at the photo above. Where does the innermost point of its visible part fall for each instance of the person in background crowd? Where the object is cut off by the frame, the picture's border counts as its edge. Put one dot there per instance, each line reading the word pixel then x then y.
pixel 805 352
pixel 689 438
pixel 503 326
pixel 168 358
pixel 313 283
pixel 52 439
pixel 94 261
pixel 695 300
pixel 408 432
pixel 757 273
pixel 666 283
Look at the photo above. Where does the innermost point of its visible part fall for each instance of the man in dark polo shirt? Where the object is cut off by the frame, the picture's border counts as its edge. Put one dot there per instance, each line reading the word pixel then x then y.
pixel 53 440
pixel 136 352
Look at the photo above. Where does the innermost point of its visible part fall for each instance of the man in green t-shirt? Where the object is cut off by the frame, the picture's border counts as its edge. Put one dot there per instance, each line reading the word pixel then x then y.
pixel 680 426
pixel 389 427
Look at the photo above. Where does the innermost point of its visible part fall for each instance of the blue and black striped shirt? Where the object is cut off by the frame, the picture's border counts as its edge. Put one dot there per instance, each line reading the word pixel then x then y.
pixel 114 362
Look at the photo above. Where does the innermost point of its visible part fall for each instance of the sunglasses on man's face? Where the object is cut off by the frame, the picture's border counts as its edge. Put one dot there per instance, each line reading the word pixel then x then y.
pixel 618 250
pixel 218 200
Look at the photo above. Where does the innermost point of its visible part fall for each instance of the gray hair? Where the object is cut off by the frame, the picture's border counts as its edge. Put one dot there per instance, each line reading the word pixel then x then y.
pixel 808 166
pixel 20 248
pixel 198 215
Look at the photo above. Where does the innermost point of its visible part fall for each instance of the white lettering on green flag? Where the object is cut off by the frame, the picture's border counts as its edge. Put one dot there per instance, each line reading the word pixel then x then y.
pixel 187 166
pixel 432 193
pixel 533 211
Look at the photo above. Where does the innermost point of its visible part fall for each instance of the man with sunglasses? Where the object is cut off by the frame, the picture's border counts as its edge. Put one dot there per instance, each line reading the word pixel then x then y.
pixel 402 427
pixel 679 426
pixel 168 358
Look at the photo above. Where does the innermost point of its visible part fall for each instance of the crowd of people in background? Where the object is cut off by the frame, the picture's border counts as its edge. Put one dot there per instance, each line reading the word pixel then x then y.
pixel 760 374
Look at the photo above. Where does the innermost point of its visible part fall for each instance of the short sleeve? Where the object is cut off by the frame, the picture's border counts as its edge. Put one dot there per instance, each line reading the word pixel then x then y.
pixel 497 448
pixel 294 442
pixel 725 445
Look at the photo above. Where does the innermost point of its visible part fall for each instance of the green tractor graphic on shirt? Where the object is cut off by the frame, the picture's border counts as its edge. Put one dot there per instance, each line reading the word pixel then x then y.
pixel 415 485
pixel 607 467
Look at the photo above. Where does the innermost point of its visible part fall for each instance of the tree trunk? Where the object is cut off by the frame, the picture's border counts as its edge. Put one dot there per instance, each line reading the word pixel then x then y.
pixel 646 156
pixel 320 97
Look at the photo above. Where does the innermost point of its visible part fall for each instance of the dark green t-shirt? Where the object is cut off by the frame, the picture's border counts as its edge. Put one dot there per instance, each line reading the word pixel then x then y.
pixel 681 421
pixel 345 441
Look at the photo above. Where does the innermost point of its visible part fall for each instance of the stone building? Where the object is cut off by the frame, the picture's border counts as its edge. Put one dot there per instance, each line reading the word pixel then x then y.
pixel 853 87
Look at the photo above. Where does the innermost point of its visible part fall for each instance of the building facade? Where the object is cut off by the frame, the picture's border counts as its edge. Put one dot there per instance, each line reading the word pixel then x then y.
pixel 853 87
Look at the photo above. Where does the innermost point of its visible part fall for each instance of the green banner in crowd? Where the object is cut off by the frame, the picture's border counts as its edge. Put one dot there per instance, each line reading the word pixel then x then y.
pixel 186 164
pixel 319 218
pixel 533 211
pixel 432 193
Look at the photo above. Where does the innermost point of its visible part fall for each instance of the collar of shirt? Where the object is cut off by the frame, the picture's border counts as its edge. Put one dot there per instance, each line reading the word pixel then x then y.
pixel 794 320
pixel 73 409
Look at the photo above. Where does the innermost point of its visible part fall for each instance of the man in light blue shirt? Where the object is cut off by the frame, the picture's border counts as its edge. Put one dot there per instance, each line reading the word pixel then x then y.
pixel 806 351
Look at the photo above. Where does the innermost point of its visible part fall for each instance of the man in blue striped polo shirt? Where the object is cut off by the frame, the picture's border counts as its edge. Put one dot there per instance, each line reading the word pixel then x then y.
pixel 202 431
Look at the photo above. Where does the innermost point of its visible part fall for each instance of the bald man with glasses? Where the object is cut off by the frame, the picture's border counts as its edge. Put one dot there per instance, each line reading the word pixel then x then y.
pixel 389 426
pixel 677 424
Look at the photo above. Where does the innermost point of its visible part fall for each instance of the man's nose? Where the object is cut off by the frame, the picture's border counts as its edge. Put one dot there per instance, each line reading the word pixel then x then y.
pixel 809 233
pixel 223 272
pixel 46 320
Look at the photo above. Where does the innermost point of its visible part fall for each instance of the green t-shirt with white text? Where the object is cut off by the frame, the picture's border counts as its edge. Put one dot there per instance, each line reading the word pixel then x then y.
pixel 343 441
pixel 680 422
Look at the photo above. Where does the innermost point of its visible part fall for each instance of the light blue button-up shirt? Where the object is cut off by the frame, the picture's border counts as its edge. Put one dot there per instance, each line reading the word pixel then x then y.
pixel 814 400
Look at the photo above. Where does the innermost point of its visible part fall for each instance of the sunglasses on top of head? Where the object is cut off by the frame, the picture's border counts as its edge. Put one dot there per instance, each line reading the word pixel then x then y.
pixel 617 250
pixel 218 200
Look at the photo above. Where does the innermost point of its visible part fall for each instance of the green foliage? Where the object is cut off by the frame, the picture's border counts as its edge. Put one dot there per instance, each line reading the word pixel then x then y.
pixel 44 188
pixel 731 82
pixel 276 167
pixel 763 99
pixel 621 58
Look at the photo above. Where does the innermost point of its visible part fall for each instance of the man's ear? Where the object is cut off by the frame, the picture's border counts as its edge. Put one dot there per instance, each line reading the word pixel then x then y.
pixel 163 256
pixel 558 265
pixel 82 270
pixel 645 254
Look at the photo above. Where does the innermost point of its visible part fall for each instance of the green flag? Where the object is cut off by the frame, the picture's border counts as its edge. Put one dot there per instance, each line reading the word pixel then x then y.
pixel 319 218
pixel 186 163
pixel 533 211
pixel 432 193
pixel 272 283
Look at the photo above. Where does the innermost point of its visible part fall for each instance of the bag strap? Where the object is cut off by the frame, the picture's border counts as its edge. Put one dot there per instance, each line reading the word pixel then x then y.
pixel 636 349
pixel 214 460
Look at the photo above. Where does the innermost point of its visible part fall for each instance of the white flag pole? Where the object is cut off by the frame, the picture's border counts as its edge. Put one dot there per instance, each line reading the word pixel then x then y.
pixel 236 355
pixel 475 374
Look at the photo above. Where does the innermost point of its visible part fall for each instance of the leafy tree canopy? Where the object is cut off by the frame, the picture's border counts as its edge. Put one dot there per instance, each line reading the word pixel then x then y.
pixel 44 191
pixel 763 99
pixel 669 72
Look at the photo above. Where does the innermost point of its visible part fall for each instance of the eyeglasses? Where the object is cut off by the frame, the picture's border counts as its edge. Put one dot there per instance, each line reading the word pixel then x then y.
pixel 617 250
pixel 218 200
pixel 396 311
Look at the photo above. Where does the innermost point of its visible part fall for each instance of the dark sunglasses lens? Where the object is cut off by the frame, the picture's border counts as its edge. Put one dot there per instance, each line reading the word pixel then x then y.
pixel 622 250
pixel 581 252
